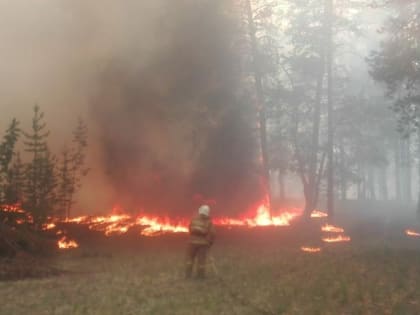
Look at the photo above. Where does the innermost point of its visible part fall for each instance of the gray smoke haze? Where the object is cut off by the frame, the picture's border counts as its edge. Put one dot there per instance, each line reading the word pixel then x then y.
pixel 158 83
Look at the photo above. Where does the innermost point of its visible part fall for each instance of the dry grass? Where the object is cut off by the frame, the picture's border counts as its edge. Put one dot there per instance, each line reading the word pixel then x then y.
pixel 259 269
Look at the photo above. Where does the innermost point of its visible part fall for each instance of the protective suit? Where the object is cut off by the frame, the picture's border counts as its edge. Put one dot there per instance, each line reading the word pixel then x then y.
pixel 201 239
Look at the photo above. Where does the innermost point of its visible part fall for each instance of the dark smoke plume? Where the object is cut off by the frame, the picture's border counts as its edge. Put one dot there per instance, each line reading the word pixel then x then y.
pixel 174 126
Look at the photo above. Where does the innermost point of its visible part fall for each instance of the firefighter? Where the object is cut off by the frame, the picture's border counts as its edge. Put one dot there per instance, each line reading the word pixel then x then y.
pixel 201 239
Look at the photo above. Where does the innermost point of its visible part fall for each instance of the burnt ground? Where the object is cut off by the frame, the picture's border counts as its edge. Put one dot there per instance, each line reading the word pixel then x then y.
pixel 258 271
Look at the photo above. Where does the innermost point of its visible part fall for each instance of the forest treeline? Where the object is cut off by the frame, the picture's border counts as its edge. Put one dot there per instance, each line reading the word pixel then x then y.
pixel 33 178
pixel 337 87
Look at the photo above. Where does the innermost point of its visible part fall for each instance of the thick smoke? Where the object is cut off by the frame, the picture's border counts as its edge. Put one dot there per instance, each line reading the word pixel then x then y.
pixel 159 85
pixel 172 128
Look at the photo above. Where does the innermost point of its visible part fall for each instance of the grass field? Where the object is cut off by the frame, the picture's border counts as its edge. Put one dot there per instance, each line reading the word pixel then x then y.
pixel 260 271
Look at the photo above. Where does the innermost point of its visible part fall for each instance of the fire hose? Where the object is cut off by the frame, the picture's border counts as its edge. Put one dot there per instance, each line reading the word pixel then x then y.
pixel 235 295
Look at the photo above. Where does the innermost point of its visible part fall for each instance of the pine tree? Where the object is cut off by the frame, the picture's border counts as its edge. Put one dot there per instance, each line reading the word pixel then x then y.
pixel 40 174
pixel 14 182
pixel 7 151
pixel 72 169
pixel 65 184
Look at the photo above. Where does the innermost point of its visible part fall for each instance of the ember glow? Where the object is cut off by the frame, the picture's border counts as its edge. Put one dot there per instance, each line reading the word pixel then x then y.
pixel 311 249
pixel 337 239
pixel 12 208
pixel 66 243
pixel 48 226
pixel 412 233
pixel 318 214
pixel 25 217
pixel 332 229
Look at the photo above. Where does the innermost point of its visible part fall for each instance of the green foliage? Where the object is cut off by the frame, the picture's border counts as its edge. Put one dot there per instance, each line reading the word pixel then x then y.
pixel 44 185
pixel 397 62
pixel 15 181
pixel 8 145
pixel 40 177
pixel 7 149
pixel 72 169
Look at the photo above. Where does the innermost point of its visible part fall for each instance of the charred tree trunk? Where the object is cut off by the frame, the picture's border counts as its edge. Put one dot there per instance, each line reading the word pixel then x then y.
pixel 260 101
pixel 330 171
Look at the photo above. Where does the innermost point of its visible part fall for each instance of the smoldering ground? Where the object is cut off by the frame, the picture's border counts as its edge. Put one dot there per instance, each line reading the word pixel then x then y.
pixel 159 85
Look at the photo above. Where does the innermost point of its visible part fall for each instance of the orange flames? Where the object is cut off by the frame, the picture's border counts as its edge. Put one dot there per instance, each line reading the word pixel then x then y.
pixel 147 225
pixel 261 218
pixel 48 226
pixel 12 208
pixel 412 233
pixel 66 243
pixel 332 229
pixel 153 225
pixel 25 217
pixel 318 214
pixel 339 238
pixel 157 226
pixel 120 224
pixel 311 249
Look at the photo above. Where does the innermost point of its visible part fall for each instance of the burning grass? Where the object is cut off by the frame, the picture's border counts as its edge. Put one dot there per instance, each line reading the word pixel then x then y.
pixel 262 267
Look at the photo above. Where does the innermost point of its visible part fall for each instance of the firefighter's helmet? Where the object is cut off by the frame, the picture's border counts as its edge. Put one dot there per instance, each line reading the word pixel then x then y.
pixel 204 210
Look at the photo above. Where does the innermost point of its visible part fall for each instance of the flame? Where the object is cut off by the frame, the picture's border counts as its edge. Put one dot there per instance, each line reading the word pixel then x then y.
pixel 12 208
pixel 261 218
pixel 311 249
pixel 16 208
pixel 339 238
pixel 318 214
pixel 158 226
pixel 81 219
pixel 66 243
pixel 116 224
pixel 412 233
pixel 48 226
pixel 120 223
pixel 332 228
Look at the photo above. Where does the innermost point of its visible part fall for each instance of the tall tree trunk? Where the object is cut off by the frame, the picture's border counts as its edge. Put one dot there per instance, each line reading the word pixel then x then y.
pixel 282 189
pixel 260 101
pixel 359 182
pixel 313 163
pixel 418 172
pixel 397 161
pixel 383 187
pixel 371 183
pixel 343 177
pixel 406 162
pixel 330 171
